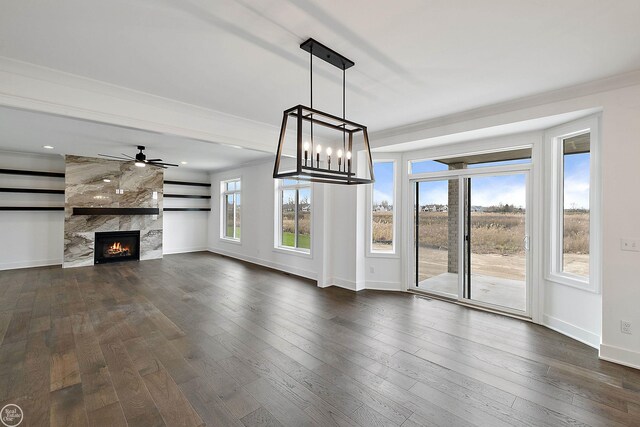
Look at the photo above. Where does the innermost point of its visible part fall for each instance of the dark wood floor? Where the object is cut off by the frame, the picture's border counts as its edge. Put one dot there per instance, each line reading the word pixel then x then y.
pixel 199 338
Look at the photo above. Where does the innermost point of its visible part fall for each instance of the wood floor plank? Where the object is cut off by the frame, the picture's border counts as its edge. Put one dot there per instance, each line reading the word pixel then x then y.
pixel 260 418
pixel 67 407
pixel 109 415
pixel 136 402
pixel 200 338
pixel 65 370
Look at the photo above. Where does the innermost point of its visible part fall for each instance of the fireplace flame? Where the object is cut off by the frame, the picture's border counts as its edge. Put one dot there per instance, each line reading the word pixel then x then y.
pixel 116 249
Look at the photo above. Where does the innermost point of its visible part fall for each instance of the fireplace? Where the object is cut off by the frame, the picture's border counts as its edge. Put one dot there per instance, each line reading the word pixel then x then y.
pixel 114 246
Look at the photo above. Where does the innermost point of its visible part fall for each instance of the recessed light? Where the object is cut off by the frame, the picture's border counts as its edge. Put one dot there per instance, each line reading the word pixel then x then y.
pixel 183 163
pixel 48 147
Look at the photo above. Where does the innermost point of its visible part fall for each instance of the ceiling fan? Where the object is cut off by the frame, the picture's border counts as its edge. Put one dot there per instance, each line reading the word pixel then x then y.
pixel 141 159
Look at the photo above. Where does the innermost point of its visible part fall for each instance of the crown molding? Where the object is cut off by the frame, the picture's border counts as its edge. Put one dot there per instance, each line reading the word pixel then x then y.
pixel 516 110
pixel 36 88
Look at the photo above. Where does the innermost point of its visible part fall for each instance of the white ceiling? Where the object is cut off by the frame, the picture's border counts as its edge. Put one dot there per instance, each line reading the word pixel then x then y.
pixel 415 59
pixel 26 131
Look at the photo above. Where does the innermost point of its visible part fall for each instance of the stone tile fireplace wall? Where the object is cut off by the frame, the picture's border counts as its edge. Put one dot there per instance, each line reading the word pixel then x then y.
pixel 94 182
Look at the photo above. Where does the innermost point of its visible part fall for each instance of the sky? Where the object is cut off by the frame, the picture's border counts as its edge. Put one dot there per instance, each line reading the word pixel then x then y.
pixel 383 186
pixel 488 191
pixel 508 189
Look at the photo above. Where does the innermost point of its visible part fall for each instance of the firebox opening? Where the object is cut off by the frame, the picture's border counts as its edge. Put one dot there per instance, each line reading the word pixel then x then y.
pixel 116 246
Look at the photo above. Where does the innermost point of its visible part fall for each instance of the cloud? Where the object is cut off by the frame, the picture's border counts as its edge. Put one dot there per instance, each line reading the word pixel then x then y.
pixel 576 192
pixel 379 196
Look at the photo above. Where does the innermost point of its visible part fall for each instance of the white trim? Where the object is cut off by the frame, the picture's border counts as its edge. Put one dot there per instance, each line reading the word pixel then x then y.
pixel 269 264
pixel 620 355
pixel 14 265
pixel 572 331
pixel 394 252
pixel 380 285
pixel 351 285
pixel 303 253
pixel 173 251
pixel 277 220
pixel 223 210
pixel 553 236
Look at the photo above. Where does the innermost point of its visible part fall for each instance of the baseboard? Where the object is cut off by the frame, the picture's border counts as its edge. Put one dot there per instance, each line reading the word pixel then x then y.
pixel 184 250
pixel 378 285
pixel 572 331
pixel 620 355
pixel 29 264
pixel 264 263
pixel 351 285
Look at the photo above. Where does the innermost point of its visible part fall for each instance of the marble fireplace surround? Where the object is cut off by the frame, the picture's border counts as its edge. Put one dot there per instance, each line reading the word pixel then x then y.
pixel 94 182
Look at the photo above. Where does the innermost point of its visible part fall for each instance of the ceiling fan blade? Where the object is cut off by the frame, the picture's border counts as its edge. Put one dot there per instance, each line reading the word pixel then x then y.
pixel 157 165
pixel 161 163
pixel 113 157
pixel 128 156
pixel 154 160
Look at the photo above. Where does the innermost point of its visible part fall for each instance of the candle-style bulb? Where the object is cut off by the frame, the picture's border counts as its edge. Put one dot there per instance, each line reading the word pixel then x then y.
pixel 318 148
pixel 306 152
pixel 349 155
pixel 340 153
pixel 329 151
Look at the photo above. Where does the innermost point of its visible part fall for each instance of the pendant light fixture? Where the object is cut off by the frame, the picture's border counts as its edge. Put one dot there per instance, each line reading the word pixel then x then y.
pixel 318 146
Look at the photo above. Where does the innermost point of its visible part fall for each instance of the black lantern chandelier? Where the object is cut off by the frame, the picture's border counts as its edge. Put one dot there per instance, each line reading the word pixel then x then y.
pixel 317 146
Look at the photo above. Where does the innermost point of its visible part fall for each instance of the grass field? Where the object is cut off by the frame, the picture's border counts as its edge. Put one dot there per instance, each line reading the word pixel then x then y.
pixel 492 234
pixel 304 240
pixel 289 229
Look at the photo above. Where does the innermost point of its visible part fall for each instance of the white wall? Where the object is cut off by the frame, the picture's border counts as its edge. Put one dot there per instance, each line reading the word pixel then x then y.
pixel 31 238
pixel 185 231
pixel 257 219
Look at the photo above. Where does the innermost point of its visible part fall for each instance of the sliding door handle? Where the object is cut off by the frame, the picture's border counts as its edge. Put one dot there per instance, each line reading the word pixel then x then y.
pixel 525 242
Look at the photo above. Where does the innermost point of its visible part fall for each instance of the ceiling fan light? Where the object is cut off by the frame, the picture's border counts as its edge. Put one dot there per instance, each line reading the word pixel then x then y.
pixel 140 164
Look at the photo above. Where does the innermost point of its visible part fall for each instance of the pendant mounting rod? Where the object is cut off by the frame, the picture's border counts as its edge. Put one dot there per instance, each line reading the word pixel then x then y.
pixel 327 54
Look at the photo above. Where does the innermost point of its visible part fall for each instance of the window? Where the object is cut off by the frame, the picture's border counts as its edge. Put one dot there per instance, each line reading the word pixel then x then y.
pixel 231 209
pixel 294 215
pixel 574 252
pixel 382 207
pixel 576 159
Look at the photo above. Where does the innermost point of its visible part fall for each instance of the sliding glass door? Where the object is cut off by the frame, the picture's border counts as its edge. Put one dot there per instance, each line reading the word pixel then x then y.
pixel 471 238
pixel 496 241
pixel 436 219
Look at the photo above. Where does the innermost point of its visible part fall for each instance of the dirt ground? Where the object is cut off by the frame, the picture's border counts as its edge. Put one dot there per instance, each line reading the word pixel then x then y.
pixel 433 262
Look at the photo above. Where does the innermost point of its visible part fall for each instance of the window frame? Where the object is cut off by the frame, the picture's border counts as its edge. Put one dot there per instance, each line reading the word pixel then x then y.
pixel 394 252
pixel 223 209
pixel 280 188
pixel 555 145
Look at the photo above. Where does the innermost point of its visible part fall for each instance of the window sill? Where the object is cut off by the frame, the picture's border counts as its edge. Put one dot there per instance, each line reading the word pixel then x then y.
pixel 230 240
pixel 573 282
pixel 391 255
pixel 293 251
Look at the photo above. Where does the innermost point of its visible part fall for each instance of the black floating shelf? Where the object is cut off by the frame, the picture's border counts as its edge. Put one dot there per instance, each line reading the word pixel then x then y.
pixel 196 184
pixel 186 196
pixel 187 209
pixel 31 173
pixel 116 211
pixel 31 190
pixel 32 208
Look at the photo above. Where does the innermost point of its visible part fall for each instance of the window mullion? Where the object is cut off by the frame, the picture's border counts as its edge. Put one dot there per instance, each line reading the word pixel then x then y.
pixel 295 226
